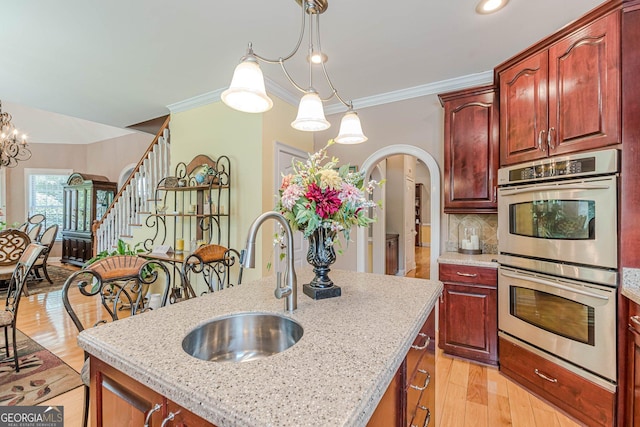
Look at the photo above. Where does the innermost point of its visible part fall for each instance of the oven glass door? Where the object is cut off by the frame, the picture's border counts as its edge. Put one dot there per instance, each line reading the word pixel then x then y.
pixel 571 320
pixel 573 221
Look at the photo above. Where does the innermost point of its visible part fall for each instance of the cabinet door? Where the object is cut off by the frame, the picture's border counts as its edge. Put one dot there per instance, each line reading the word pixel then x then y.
pixel 388 413
pixel 183 418
pixel 633 367
pixel 470 152
pixel 523 110
pixel 584 93
pixel 468 323
pixel 117 400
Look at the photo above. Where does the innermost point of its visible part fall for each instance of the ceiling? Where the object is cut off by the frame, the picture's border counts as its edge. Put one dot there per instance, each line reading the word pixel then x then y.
pixel 121 62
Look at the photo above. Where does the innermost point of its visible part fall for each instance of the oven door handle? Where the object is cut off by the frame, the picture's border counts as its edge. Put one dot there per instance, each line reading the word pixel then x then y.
pixel 563 187
pixel 554 285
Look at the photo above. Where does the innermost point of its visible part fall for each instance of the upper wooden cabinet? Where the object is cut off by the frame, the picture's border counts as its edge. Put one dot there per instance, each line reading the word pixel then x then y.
pixel 470 150
pixel 563 98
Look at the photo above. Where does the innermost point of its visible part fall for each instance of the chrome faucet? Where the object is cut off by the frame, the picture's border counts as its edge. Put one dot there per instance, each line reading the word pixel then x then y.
pixel 290 290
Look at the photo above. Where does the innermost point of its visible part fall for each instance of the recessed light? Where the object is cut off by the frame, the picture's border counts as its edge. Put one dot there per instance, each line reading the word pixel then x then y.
pixel 490 6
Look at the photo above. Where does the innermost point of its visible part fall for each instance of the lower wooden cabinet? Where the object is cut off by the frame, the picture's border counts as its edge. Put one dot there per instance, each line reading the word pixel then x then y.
pixel 119 400
pixel 410 398
pixel 582 399
pixel 633 367
pixel 469 312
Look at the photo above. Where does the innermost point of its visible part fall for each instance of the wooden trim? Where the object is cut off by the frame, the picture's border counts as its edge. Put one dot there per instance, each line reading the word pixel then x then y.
pixel 444 97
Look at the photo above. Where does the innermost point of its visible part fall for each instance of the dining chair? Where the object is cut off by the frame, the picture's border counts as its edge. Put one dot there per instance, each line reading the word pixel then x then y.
pixel 213 263
pixel 12 244
pixel 109 289
pixel 47 239
pixel 34 232
pixel 19 277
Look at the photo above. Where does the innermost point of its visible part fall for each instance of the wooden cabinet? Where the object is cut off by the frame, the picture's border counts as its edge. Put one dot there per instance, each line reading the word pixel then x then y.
pixel 469 312
pixel 582 399
pixel 391 254
pixel 470 150
pixel 632 355
pixel 410 398
pixel 563 98
pixel 118 400
pixel 86 199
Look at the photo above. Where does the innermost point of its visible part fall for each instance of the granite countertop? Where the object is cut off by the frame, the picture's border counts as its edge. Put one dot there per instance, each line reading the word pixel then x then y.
pixel 481 260
pixel 334 376
pixel 631 284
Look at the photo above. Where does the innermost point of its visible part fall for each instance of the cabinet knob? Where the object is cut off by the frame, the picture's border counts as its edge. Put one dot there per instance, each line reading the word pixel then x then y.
pixel 155 408
pixel 541 146
pixel 545 377
pixel 550 139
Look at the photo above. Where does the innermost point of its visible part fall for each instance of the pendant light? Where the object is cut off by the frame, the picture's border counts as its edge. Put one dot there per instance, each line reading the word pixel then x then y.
pixel 247 90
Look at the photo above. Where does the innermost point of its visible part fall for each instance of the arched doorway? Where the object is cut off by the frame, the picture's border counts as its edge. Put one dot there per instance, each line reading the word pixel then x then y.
pixel 434 171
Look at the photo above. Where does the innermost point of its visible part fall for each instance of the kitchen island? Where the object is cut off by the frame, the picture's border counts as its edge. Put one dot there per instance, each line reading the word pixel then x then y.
pixel 335 375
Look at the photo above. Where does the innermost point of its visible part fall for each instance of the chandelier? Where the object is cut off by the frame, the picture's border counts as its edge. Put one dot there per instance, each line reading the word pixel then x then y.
pixel 247 90
pixel 12 148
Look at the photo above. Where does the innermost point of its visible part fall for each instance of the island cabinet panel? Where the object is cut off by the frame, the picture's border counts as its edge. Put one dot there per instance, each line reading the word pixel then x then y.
pixel 118 400
pixel 633 367
pixel 471 138
pixel 564 98
pixel 580 398
pixel 410 398
pixel 469 312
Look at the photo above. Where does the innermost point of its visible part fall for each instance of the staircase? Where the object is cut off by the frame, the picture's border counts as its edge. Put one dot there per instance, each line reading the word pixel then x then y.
pixel 134 198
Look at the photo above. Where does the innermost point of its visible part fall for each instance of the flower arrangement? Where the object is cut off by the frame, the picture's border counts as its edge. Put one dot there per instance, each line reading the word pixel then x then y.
pixel 318 195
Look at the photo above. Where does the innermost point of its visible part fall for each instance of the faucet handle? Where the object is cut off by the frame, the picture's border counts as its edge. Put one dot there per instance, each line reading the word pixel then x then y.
pixel 280 292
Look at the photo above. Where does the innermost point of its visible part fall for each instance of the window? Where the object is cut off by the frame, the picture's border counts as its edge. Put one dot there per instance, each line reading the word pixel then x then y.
pixel 45 193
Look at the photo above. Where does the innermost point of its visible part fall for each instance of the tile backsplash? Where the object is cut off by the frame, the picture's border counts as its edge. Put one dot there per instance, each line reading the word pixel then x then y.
pixel 489 223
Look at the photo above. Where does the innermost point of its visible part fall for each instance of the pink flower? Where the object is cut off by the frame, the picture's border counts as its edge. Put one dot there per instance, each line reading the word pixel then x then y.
pixel 327 202
pixel 291 195
pixel 350 194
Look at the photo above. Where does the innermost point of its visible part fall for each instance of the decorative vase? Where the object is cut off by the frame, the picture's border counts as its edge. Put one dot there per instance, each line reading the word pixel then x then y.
pixel 321 255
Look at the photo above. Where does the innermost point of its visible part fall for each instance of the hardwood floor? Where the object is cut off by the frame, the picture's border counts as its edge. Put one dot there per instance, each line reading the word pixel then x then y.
pixel 467 394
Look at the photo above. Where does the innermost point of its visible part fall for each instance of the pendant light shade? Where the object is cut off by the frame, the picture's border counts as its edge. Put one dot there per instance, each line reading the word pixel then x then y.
pixel 350 129
pixel 310 114
pixel 247 92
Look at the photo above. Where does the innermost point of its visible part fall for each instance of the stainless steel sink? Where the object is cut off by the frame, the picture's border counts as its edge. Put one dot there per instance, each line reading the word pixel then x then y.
pixel 242 337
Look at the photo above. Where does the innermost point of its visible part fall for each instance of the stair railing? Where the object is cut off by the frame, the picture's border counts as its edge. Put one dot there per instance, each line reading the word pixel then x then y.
pixel 135 195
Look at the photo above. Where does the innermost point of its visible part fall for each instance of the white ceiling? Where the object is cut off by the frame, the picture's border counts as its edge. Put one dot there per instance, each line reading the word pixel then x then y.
pixel 121 62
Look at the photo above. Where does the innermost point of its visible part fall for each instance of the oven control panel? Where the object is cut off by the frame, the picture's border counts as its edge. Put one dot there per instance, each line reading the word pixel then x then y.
pixel 585 164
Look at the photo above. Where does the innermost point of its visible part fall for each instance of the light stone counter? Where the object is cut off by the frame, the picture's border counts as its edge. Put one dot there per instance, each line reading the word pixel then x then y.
pixel 334 376
pixel 481 260
pixel 631 284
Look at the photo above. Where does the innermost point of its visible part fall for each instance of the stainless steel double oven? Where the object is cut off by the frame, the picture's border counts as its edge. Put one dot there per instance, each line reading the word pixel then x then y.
pixel 557 238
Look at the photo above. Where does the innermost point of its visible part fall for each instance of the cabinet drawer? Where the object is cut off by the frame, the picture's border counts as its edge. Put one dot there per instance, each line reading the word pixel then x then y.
pixel 579 397
pixel 468 274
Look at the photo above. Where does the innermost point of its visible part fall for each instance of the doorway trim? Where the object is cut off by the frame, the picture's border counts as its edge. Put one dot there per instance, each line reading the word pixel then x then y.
pixel 434 172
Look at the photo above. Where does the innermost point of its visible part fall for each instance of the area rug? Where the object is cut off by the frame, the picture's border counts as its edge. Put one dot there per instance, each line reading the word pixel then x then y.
pixel 42 374
pixel 58 276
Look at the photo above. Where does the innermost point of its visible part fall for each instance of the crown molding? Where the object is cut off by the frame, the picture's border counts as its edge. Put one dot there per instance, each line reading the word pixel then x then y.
pixel 416 91
pixel 369 101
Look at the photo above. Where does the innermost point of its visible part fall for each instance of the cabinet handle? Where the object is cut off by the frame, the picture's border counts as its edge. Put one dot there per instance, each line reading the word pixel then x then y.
pixel 426 342
pixel 156 408
pixel 466 274
pixel 636 320
pixel 426 381
pixel 170 417
pixel 427 419
pixel 543 376
pixel 495 194
pixel 541 140
pixel 550 139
